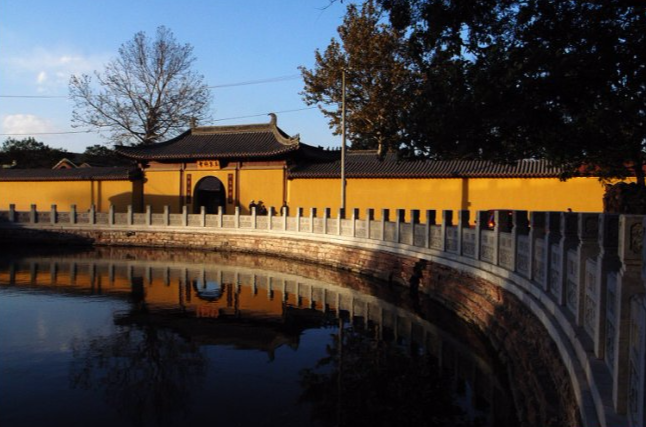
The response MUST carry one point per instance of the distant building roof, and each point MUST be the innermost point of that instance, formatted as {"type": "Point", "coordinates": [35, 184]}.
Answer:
{"type": "Point", "coordinates": [74, 174]}
{"type": "Point", "coordinates": [221, 142]}
{"type": "Point", "coordinates": [366, 164]}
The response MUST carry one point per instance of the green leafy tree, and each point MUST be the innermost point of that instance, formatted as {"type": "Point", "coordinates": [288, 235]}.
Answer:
{"type": "Point", "coordinates": [147, 93]}
{"type": "Point", "coordinates": [101, 155]}
{"type": "Point", "coordinates": [371, 53]}
{"type": "Point", "coordinates": [29, 153]}
{"type": "Point", "coordinates": [507, 79]}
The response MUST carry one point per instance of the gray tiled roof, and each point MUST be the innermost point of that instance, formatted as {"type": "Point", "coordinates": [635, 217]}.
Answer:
{"type": "Point", "coordinates": [75, 174]}
{"type": "Point", "coordinates": [366, 164]}
{"type": "Point", "coordinates": [221, 142]}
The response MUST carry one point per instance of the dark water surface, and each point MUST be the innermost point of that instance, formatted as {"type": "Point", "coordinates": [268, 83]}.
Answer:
{"type": "Point", "coordinates": [132, 337]}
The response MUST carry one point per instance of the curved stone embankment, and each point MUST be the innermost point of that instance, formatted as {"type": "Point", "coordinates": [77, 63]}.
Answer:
{"type": "Point", "coordinates": [544, 391]}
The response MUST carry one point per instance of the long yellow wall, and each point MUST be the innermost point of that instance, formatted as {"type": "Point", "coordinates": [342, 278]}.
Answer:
{"type": "Point", "coordinates": [169, 187]}
{"type": "Point", "coordinates": [542, 194]}
{"type": "Point", "coordinates": [578, 194]}
{"type": "Point", "coordinates": [375, 193]}
{"type": "Point", "coordinates": [65, 193]}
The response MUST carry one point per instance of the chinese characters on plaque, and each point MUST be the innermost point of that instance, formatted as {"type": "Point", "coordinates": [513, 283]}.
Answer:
{"type": "Point", "coordinates": [208, 164]}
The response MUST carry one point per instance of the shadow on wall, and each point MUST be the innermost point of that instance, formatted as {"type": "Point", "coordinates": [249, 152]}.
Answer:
{"type": "Point", "coordinates": [157, 203]}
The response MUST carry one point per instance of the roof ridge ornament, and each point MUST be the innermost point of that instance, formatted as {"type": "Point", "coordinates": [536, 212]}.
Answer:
{"type": "Point", "coordinates": [280, 135]}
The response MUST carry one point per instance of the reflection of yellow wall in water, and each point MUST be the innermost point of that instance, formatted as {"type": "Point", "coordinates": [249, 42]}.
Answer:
{"type": "Point", "coordinates": [159, 292]}
{"type": "Point", "coordinates": [83, 194]}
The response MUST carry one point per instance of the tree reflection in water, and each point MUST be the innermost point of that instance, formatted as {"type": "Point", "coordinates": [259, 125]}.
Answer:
{"type": "Point", "coordinates": [145, 372]}
{"type": "Point", "coordinates": [364, 381]}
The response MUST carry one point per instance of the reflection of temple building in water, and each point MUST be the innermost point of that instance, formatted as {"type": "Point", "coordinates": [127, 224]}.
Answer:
{"type": "Point", "coordinates": [248, 305]}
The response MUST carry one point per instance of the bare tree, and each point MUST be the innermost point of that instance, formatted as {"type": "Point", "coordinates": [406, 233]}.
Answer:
{"type": "Point", "coordinates": [148, 92]}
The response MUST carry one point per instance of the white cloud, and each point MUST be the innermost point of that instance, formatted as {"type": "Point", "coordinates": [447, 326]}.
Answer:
{"type": "Point", "coordinates": [51, 69]}
{"type": "Point", "coordinates": [26, 124]}
{"type": "Point", "coordinates": [42, 77]}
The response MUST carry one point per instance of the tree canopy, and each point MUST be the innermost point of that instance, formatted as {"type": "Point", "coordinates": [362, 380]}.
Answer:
{"type": "Point", "coordinates": [505, 79]}
{"type": "Point", "coordinates": [563, 80]}
{"type": "Point", "coordinates": [371, 53]}
{"type": "Point", "coordinates": [29, 153]}
{"type": "Point", "coordinates": [148, 92]}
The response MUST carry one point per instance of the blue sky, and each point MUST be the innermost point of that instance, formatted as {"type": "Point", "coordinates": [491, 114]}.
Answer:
{"type": "Point", "coordinates": [43, 42]}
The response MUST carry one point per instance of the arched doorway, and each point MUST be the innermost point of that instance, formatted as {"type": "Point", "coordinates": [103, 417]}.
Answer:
{"type": "Point", "coordinates": [210, 193]}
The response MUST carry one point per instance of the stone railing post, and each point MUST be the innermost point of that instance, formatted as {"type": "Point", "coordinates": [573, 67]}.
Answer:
{"type": "Point", "coordinates": [299, 214]}
{"type": "Point", "coordinates": [271, 213]}
{"type": "Point", "coordinates": [284, 212]}
{"type": "Point", "coordinates": [385, 217]}
{"type": "Point", "coordinates": [12, 213]}
{"type": "Point", "coordinates": [166, 215]}
{"type": "Point", "coordinates": [312, 218]}
{"type": "Point", "coordinates": [463, 222]}
{"type": "Point", "coordinates": [149, 215]}
{"type": "Point", "coordinates": [415, 215]}
{"type": "Point", "coordinates": [254, 217]}
{"type": "Point", "coordinates": [482, 219]}
{"type": "Point", "coordinates": [588, 229]}
{"type": "Point", "coordinates": [354, 217]}
{"type": "Point", "coordinates": [340, 217]}
{"type": "Point", "coordinates": [430, 220]}
{"type": "Point", "coordinates": [130, 215]}
{"type": "Point", "coordinates": [326, 216]}
{"type": "Point", "coordinates": [52, 215]}
{"type": "Point", "coordinates": [370, 216]}
{"type": "Point", "coordinates": [568, 242]}
{"type": "Point", "coordinates": [399, 219]}
{"type": "Point", "coordinates": [552, 237]}
{"type": "Point", "coordinates": [220, 216]}
{"type": "Point", "coordinates": [92, 219]}
{"type": "Point", "coordinates": [619, 294]}
{"type": "Point", "coordinates": [32, 214]}
{"type": "Point", "coordinates": [447, 221]}
{"type": "Point", "coordinates": [236, 216]}
{"type": "Point", "coordinates": [506, 249]}
{"type": "Point", "coordinates": [520, 228]}
{"type": "Point", "coordinates": [203, 216]}
{"type": "Point", "coordinates": [73, 214]}
{"type": "Point", "coordinates": [607, 262]}
{"type": "Point", "coordinates": [536, 231]}
{"type": "Point", "coordinates": [184, 216]}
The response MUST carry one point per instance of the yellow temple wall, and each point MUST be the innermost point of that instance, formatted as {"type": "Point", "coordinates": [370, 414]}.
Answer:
{"type": "Point", "coordinates": [162, 188]}
{"type": "Point", "coordinates": [538, 194]}
{"type": "Point", "coordinates": [65, 193]}
{"type": "Point", "coordinates": [261, 184]}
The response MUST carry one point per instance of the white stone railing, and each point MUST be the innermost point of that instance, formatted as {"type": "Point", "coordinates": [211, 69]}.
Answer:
{"type": "Point", "coordinates": [580, 273]}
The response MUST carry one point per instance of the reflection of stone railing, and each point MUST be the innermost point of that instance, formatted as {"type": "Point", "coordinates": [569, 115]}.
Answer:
{"type": "Point", "coordinates": [580, 273]}
{"type": "Point", "coordinates": [107, 276]}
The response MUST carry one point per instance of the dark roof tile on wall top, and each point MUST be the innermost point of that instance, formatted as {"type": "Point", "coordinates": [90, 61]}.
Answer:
{"type": "Point", "coordinates": [366, 164]}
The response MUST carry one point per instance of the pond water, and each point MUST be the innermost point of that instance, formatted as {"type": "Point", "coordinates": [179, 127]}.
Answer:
{"type": "Point", "coordinates": [134, 337]}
